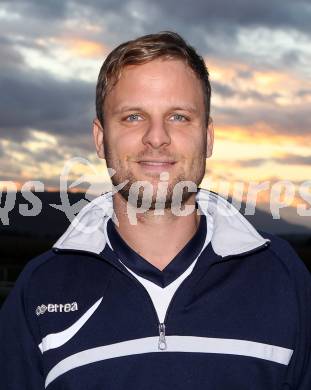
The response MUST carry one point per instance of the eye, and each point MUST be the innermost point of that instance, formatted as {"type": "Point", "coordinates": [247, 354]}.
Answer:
{"type": "Point", "coordinates": [132, 117]}
{"type": "Point", "coordinates": [180, 118]}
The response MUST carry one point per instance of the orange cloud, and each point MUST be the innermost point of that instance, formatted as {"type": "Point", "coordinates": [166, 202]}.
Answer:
{"type": "Point", "coordinates": [258, 133]}
{"type": "Point", "coordinates": [85, 48]}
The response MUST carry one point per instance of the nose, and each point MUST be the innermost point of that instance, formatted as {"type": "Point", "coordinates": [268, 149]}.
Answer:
{"type": "Point", "coordinates": [156, 135]}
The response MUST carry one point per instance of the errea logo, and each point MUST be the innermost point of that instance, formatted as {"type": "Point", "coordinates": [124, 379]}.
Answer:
{"type": "Point", "coordinates": [56, 308]}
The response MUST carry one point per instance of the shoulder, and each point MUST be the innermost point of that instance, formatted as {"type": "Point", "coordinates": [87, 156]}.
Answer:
{"type": "Point", "coordinates": [283, 252]}
{"type": "Point", "coordinates": [33, 265]}
{"type": "Point", "coordinates": [55, 264]}
{"type": "Point", "coordinates": [52, 273]}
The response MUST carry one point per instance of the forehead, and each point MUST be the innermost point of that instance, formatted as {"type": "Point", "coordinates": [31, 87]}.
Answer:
{"type": "Point", "coordinates": [160, 80]}
{"type": "Point", "coordinates": [159, 66]}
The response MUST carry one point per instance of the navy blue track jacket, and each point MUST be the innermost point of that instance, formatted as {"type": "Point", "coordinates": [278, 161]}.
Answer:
{"type": "Point", "coordinates": [231, 311]}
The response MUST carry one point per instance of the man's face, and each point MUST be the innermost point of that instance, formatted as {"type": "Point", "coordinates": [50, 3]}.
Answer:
{"type": "Point", "coordinates": [154, 121]}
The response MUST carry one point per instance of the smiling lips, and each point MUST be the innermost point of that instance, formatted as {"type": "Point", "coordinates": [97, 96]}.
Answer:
{"type": "Point", "coordinates": [154, 165]}
{"type": "Point", "coordinates": [156, 162]}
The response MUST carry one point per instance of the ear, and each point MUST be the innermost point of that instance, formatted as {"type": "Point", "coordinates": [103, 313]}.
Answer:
{"type": "Point", "coordinates": [210, 137]}
{"type": "Point", "coordinates": [98, 133]}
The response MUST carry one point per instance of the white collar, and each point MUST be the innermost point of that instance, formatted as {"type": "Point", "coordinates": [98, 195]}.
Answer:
{"type": "Point", "coordinates": [232, 233]}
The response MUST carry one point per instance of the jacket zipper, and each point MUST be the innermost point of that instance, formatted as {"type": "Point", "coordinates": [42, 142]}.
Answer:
{"type": "Point", "coordinates": [162, 343]}
{"type": "Point", "coordinates": [162, 346]}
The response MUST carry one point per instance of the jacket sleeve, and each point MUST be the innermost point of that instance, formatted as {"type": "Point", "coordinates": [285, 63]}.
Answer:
{"type": "Point", "coordinates": [20, 360]}
{"type": "Point", "coordinates": [298, 375]}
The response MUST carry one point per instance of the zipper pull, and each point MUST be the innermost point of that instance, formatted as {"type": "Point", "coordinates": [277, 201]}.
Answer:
{"type": "Point", "coordinates": [162, 342]}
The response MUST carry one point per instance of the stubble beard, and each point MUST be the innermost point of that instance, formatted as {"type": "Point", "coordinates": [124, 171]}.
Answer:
{"type": "Point", "coordinates": [157, 201]}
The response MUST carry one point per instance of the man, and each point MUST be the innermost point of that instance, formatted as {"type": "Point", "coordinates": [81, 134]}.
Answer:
{"type": "Point", "coordinates": [158, 285]}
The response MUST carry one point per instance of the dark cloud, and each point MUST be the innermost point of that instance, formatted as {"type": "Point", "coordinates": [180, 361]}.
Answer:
{"type": "Point", "coordinates": [51, 155]}
{"type": "Point", "coordinates": [224, 13]}
{"type": "Point", "coordinates": [276, 13]}
{"type": "Point", "coordinates": [212, 27]}
{"type": "Point", "coordinates": [16, 135]}
{"type": "Point", "coordinates": [1, 151]}
{"type": "Point", "coordinates": [304, 92]}
{"type": "Point", "coordinates": [35, 99]}
{"type": "Point", "coordinates": [212, 15]}
{"type": "Point", "coordinates": [223, 90]}
{"type": "Point", "coordinates": [9, 56]}
{"type": "Point", "coordinates": [292, 57]}
{"type": "Point", "coordinates": [294, 159]}
{"type": "Point", "coordinates": [289, 159]}
{"type": "Point", "coordinates": [290, 120]}
{"type": "Point", "coordinates": [226, 91]}
{"type": "Point", "coordinates": [252, 162]}
{"type": "Point", "coordinates": [47, 9]}
{"type": "Point", "coordinates": [80, 145]}
{"type": "Point", "coordinates": [257, 96]}
{"type": "Point", "coordinates": [244, 74]}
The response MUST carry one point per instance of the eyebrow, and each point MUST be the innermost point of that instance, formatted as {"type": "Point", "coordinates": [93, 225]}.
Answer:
{"type": "Point", "coordinates": [185, 107]}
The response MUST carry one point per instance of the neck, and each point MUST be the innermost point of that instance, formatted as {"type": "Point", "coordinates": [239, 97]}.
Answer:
{"type": "Point", "coordinates": [157, 238]}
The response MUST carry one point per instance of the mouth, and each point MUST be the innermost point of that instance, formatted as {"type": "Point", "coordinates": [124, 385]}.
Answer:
{"type": "Point", "coordinates": [156, 165]}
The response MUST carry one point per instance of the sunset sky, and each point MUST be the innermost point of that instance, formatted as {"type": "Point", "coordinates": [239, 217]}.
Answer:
{"type": "Point", "coordinates": [258, 54]}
